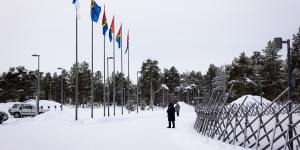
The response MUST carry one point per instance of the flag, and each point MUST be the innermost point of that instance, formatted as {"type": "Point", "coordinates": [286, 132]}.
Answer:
{"type": "Point", "coordinates": [104, 23]}
{"type": "Point", "coordinates": [127, 48]}
{"type": "Point", "coordinates": [112, 29]}
{"type": "Point", "coordinates": [95, 11]}
{"type": "Point", "coordinates": [119, 37]}
{"type": "Point", "coordinates": [76, 3]}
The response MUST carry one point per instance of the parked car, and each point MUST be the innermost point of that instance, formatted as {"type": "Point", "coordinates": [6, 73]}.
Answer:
{"type": "Point", "coordinates": [23, 109]}
{"type": "Point", "coordinates": [3, 116]}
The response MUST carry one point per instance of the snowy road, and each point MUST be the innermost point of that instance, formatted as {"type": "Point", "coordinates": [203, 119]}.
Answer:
{"type": "Point", "coordinates": [56, 130]}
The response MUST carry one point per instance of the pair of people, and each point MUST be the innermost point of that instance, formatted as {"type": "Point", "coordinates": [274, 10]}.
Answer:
{"type": "Point", "coordinates": [171, 114]}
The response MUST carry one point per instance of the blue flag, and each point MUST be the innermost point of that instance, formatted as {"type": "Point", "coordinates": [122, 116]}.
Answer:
{"type": "Point", "coordinates": [95, 11]}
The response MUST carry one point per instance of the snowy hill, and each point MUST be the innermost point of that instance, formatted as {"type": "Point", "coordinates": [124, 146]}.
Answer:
{"type": "Point", "coordinates": [251, 99]}
{"type": "Point", "coordinates": [44, 103]}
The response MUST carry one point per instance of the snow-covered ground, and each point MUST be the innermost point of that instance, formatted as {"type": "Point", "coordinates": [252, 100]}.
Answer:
{"type": "Point", "coordinates": [251, 99]}
{"type": "Point", "coordinates": [57, 130]}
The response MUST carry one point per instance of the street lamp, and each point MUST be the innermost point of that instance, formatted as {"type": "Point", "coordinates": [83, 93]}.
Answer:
{"type": "Point", "coordinates": [278, 45]}
{"type": "Point", "coordinates": [108, 58]}
{"type": "Point", "coordinates": [210, 87]}
{"type": "Point", "coordinates": [38, 91]}
{"type": "Point", "coordinates": [61, 89]}
{"type": "Point", "coordinates": [177, 89]}
{"type": "Point", "coordinates": [163, 97]}
{"type": "Point", "coordinates": [151, 92]}
{"type": "Point", "coordinates": [137, 91]}
{"type": "Point", "coordinates": [198, 99]}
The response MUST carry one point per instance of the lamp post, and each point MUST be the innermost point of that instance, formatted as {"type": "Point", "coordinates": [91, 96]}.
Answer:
{"type": "Point", "coordinates": [178, 90]}
{"type": "Point", "coordinates": [137, 91]}
{"type": "Point", "coordinates": [198, 99]}
{"type": "Point", "coordinates": [261, 95]}
{"type": "Point", "coordinates": [50, 91]}
{"type": "Point", "coordinates": [123, 99]}
{"type": "Point", "coordinates": [278, 45]}
{"type": "Point", "coordinates": [108, 91]}
{"type": "Point", "coordinates": [61, 88]}
{"type": "Point", "coordinates": [151, 92]}
{"type": "Point", "coordinates": [38, 91]}
{"type": "Point", "coordinates": [210, 87]}
{"type": "Point", "coordinates": [278, 42]}
{"type": "Point", "coordinates": [163, 96]}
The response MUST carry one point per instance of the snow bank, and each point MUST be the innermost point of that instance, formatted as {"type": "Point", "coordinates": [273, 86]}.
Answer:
{"type": "Point", "coordinates": [250, 100]}
{"type": "Point", "coordinates": [44, 103]}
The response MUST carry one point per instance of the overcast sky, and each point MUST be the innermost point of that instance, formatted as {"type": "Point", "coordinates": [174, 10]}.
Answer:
{"type": "Point", "coordinates": [187, 34]}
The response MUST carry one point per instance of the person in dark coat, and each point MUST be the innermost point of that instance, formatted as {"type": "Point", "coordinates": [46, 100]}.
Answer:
{"type": "Point", "coordinates": [171, 115]}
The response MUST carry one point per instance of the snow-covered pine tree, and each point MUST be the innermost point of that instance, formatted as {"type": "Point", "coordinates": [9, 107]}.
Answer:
{"type": "Point", "coordinates": [272, 72]}
{"type": "Point", "coordinates": [17, 84]}
{"type": "Point", "coordinates": [219, 79]}
{"type": "Point", "coordinates": [55, 88]}
{"type": "Point", "coordinates": [84, 83]}
{"type": "Point", "coordinates": [208, 78]}
{"type": "Point", "coordinates": [98, 87]}
{"type": "Point", "coordinates": [239, 74]}
{"type": "Point", "coordinates": [171, 78]}
{"type": "Point", "coordinates": [46, 85]}
{"type": "Point", "coordinates": [296, 66]}
{"type": "Point", "coordinates": [149, 72]}
{"type": "Point", "coordinates": [257, 62]}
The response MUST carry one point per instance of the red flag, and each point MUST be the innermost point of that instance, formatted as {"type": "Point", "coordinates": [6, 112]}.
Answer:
{"type": "Point", "coordinates": [112, 26]}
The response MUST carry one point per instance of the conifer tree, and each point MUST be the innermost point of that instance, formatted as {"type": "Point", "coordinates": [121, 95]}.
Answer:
{"type": "Point", "coordinates": [150, 72]}
{"type": "Point", "coordinates": [273, 72]}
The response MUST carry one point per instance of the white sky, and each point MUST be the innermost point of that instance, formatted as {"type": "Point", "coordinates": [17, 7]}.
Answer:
{"type": "Point", "coordinates": [188, 34]}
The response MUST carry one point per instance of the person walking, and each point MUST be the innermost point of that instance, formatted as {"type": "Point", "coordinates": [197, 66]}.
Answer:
{"type": "Point", "coordinates": [171, 115]}
{"type": "Point", "coordinates": [177, 108]}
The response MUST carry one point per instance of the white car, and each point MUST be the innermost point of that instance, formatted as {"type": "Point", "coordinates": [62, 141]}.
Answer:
{"type": "Point", "coordinates": [23, 109]}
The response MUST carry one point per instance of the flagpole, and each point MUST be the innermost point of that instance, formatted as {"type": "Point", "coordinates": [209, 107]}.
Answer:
{"type": "Point", "coordinates": [108, 90]}
{"type": "Point", "coordinates": [76, 70]}
{"type": "Point", "coordinates": [104, 91]}
{"type": "Point", "coordinates": [128, 72]}
{"type": "Point", "coordinates": [114, 80]}
{"type": "Point", "coordinates": [92, 75]}
{"type": "Point", "coordinates": [122, 80]}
